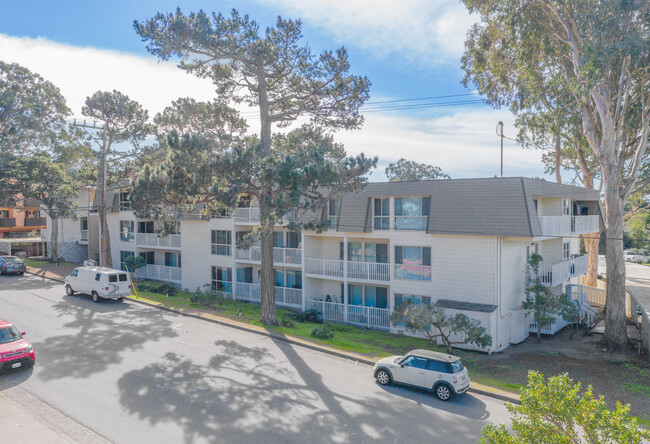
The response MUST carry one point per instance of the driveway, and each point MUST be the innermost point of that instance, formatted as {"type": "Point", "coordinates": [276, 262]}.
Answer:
{"type": "Point", "coordinates": [139, 374]}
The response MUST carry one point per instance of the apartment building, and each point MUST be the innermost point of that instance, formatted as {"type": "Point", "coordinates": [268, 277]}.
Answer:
{"type": "Point", "coordinates": [461, 244]}
{"type": "Point", "coordinates": [18, 227]}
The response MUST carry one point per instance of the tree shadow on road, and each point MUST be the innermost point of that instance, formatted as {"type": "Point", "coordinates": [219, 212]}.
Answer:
{"type": "Point", "coordinates": [245, 394]}
{"type": "Point", "coordinates": [22, 283]}
{"type": "Point", "coordinates": [101, 333]}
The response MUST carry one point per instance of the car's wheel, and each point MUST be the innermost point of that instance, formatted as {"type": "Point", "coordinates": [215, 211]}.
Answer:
{"type": "Point", "coordinates": [21, 273]}
{"type": "Point", "coordinates": [443, 392]}
{"type": "Point", "coordinates": [95, 296]}
{"type": "Point", "coordinates": [383, 377]}
{"type": "Point", "coordinates": [69, 291]}
{"type": "Point", "coordinates": [120, 299]}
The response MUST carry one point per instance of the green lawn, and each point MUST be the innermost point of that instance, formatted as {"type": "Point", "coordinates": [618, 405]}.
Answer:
{"type": "Point", "coordinates": [45, 263]}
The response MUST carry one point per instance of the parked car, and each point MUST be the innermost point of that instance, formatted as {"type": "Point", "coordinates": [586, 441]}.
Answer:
{"type": "Point", "coordinates": [98, 282]}
{"type": "Point", "coordinates": [443, 374]}
{"type": "Point", "coordinates": [15, 351]}
{"type": "Point", "coordinates": [634, 256]}
{"type": "Point", "coordinates": [12, 264]}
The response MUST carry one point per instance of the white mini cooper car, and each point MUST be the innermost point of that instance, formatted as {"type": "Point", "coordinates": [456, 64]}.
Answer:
{"type": "Point", "coordinates": [442, 373]}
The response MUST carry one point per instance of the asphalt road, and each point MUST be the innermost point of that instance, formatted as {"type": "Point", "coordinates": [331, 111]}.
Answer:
{"type": "Point", "coordinates": [138, 374]}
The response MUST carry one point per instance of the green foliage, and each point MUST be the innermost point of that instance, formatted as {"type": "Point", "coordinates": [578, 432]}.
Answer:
{"type": "Point", "coordinates": [543, 303]}
{"type": "Point", "coordinates": [286, 321]}
{"type": "Point", "coordinates": [638, 233]}
{"type": "Point", "coordinates": [407, 170]}
{"type": "Point", "coordinates": [209, 297]}
{"type": "Point", "coordinates": [558, 411]}
{"type": "Point", "coordinates": [436, 325]}
{"type": "Point", "coordinates": [32, 111]}
{"type": "Point", "coordinates": [341, 328]}
{"type": "Point", "coordinates": [147, 287]}
{"type": "Point", "coordinates": [134, 262]}
{"type": "Point", "coordinates": [310, 315]}
{"type": "Point", "coordinates": [160, 288]}
{"type": "Point", "coordinates": [322, 332]}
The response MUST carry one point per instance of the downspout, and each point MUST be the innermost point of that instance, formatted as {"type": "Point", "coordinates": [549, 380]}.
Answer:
{"type": "Point", "coordinates": [497, 285]}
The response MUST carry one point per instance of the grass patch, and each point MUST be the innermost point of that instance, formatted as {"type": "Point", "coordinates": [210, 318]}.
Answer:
{"type": "Point", "coordinates": [550, 353]}
{"type": "Point", "coordinates": [637, 388]}
{"type": "Point", "coordinates": [511, 387]}
{"type": "Point", "coordinates": [39, 263]}
{"type": "Point", "coordinates": [636, 369]}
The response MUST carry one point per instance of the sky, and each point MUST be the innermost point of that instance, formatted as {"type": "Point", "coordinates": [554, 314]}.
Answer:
{"type": "Point", "coordinates": [409, 50]}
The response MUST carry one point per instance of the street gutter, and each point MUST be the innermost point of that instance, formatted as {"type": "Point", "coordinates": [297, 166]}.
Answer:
{"type": "Point", "coordinates": [359, 359]}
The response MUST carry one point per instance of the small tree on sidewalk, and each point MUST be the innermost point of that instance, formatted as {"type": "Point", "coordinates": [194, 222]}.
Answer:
{"type": "Point", "coordinates": [542, 302]}
{"type": "Point", "coordinates": [436, 325]}
{"type": "Point", "coordinates": [133, 263]}
{"type": "Point", "coordinates": [557, 411]}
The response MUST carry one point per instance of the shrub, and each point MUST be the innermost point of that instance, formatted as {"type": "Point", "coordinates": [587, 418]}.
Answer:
{"type": "Point", "coordinates": [168, 289]}
{"type": "Point", "coordinates": [306, 316]}
{"type": "Point", "coordinates": [286, 321]}
{"type": "Point", "coordinates": [208, 298]}
{"type": "Point", "coordinates": [148, 287]}
{"type": "Point", "coordinates": [322, 332]}
{"type": "Point", "coordinates": [337, 327]}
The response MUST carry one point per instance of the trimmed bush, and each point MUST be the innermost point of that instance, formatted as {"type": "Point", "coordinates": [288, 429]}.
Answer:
{"type": "Point", "coordinates": [306, 316]}
{"type": "Point", "coordinates": [207, 298]}
{"type": "Point", "coordinates": [167, 289]}
{"type": "Point", "coordinates": [337, 327]}
{"type": "Point", "coordinates": [322, 332]}
{"type": "Point", "coordinates": [285, 321]}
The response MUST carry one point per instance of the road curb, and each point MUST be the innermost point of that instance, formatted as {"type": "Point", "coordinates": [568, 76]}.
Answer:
{"type": "Point", "coordinates": [358, 359]}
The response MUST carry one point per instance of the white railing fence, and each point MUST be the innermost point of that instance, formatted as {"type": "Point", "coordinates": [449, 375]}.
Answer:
{"type": "Point", "coordinates": [289, 297]}
{"type": "Point", "coordinates": [281, 256]}
{"type": "Point", "coordinates": [355, 314]}
{"type": "Point", "coordinates": [324, 267]}
{"type": "Point", "coordinates": [372, 271]}
{"type": "Point", "coordinates": [154, 240]}
{"type": "Point", "coordinates": [160, 273]}
{"type": "Point", "coordinates": [565, 225]}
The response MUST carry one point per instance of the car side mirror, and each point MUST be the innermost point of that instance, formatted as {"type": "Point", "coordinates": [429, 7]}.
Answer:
{"type": "Point", "coordinates": [401, 365]}
{"type": "Point", "coordinates": [23, 333]}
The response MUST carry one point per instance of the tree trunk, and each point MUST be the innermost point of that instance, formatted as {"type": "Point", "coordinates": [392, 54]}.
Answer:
{"type": "Point", "coordinates": [267, 296]}
{"type": "Point", "coordinates": [591, 245]}
{"type": "Point", "coordinates": [54, 237]}
{"type": "Point", "coordinates": [105, 241]}
{"type": "Point", "coordinates": [615, 322]}
{"type": "Point", "coordinates": [558, 158]}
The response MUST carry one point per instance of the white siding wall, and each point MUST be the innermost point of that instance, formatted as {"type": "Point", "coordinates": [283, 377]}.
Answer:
{"type": "Point", "coordinates": [113, 220]}
{"type": "Point", "coordinates": [197, 259]}
{"type": "Point", "coordinates": [549, 206]}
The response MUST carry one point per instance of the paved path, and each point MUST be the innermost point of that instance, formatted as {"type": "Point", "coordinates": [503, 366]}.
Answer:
{"type": "Point", "coordinates": [637, 280]}
{"type": "Point", "coordinates": [137, 374]}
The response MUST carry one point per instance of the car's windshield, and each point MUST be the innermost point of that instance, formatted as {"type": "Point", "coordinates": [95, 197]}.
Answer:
{"type": "Point", "coordinates": [398, 359]}
{"type": "Point", "coordinates": [9, 334]}
{"type": "Point", "coordinates": [12, 259]}
{"type": "Point", "coordinates": [456, 367]}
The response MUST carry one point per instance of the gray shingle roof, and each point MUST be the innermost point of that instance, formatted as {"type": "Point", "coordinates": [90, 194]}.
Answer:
{"type": "Point", "coordinates": [492, 206]}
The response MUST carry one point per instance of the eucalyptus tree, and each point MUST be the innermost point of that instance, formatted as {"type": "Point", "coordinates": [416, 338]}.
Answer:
{"type": "Point", "coordinates": [120, 136]}
{"type": "Point", "coordinates": [283, 80]}
{"type": "Point", "coordinates": [408, 170]}
{"type": "Point", "coordinates": [600, 55]}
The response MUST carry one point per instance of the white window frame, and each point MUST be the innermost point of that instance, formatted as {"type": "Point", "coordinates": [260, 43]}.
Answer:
{"type": "Point", "coordinates": [127, 235]}
{"type": "Point", "coordinates": [220, 248]}
{"type": "Point", "coordinates": [125, 202]}
{"type": "Point", "coordinates": [215, 281]}
{"type": "Point", "coordinates": [333, 212]}
{"type": "Point", "coordinates": [381, 221]}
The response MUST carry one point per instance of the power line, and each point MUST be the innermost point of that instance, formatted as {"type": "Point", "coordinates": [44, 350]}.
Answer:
{"type": "Point", "coordinates": [422, 98]}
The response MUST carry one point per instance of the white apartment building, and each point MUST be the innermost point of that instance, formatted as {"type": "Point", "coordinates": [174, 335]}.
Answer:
{"type": "Point", "coordinates": [462, 244]}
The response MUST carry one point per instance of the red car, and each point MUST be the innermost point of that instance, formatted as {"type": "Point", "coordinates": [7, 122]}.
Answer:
{"type": "Point", "coordinates": [15, 351]}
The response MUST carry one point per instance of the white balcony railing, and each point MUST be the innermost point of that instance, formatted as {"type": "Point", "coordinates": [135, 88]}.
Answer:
{"type": "Point", "coordinates": [252, 215]}
{"type": "Point", "coordinates": [556, 274]}
{"type": "Point", "coordinates": [160, 273]}
{"type": "Point", "coordinates": [153, 240]}
{"type": "Point", "coordinates": [352, 314]}
{"type": "Point", "coordinates": [367, 271]}
{"type": "Point", "coordinates": [281, 256]}
{"type": "Point", "coordinates": [568, 225]}
{"type": "Point", "coordinates": [289, 297]}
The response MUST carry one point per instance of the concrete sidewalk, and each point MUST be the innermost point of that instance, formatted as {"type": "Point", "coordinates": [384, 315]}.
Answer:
{"type": "Point", "coordinates": [26, 419]}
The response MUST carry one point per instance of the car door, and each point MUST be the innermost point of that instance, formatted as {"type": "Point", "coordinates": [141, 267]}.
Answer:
{"type": "Point", "coordinates": [412, 371]}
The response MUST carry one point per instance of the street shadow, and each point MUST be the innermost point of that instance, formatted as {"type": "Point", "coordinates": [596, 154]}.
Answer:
{"type": "Point", "coordinates": [26, 282]}
{"type": "Point", "coordinates": [99, 335]}
{"type": "Point", "coordinates": [246, 394]}
{"type": "Point", "coordinates": [15, 377]}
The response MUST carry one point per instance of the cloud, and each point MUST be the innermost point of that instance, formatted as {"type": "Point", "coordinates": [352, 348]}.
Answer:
{"type": "Point", "coordinates": [463, 143]}
{"type": "Point", "coordinates": [424, 32]}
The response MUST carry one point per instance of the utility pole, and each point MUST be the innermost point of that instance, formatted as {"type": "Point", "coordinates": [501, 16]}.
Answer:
{"type": "Point", "coordinates": [500, 133]}
{"type": "Point", "coordinates": [101, 171]}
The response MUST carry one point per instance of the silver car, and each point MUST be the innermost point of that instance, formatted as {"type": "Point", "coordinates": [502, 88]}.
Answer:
{"type": "Point", "coordinates": [443, 374]}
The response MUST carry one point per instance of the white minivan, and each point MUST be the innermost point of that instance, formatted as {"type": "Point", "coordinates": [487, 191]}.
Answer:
{"type": "Point", "coordinates": [98, 282]}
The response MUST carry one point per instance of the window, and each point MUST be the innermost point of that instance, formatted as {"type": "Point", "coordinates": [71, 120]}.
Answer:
{"type": "Point", "coordinates": [413, 263]}
{"type": "Point", "coordinates": [278, 239]}
{"type": "Point", "coordinates": [333, 213]}
{"type": "Point", "coordinates": [377, 253]}
{"type": "Point", "coordinates": [145, 227]}
{"type": "Point", "coordinates": [148, 257]}
{"type": "Point", "coordinates": [34, 213]}
{"type": "Point", "coordinates": [411, 213]}
{"type": "Point", "coordinates": [245, 275]}
{"type": "Point", "coordinates": [293, 279]}
{"type": "Point", "coordinates": [566, 207]}
{"type": "Point", "coordinates": [293, 239]}
{"type": "Point", "coordinates": [98, 277]}
{"type": "Point", "coordinates": [222, 279]}
{"type": "Point", "coordinates": [244, 202]}
{"type": "Point", "coordinates": [126, 230]}
{"type": "Point", "coordinates": [84, 223]}
{"type": "Point", "coordinates": [220, 214]}
{"type": "Point", "coordinates": [122, 277]}
{"type": "Point", "coordinates": [4, 213]}
{"type": "Point", "coordinates": [415, 361]}
{"type": "Point", "coordinates": [123, 256]}
{"type": "Point", "coordinates": [74, 273]}
{"type": "Point", "coordinates": [221, 242]}
{"type": "Point", "coordinates": [279, 278]}
{"type": "Point", "coordinates": [411, 299]}
{"type": "Point", "coordinates": [125, 202]}
{"type": "Point", "coordinates": [172, 259]}
{"type": "Point", "coordinates": [566, 248]}
{"type": "Point", "coordinates": [438, 366]}
{"type": "Point", "coordinates": [112, 278]}
{"type": "Point", "coordinates": [381, 217]}
{"type": "Point", "coordinates": [368, 296]}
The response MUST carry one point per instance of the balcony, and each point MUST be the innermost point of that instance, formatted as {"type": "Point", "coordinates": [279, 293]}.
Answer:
{"type": "Point", "coordinates": [153, 240]}
{"type": "Point", "coordinates": [362, 271]}
{"type": "Point", "coordinates": [281, 256]}
{"type": "Point", "coordinates": [161, 273]}
{"type": "Point", "coordinates": [35, 222]}
{"type": "Point", "coordinates": [288, 297]}
{"type": "Point", "coordinates": [370, 317]}
{"type": "Point", "coordinates": [569, 225]}
{"type": "Point", "coordinates": [7, 222]}
{"type": "Point", "coordinates": [252, 216]}
{"type": "Point", "coordinates": [556, 274]}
